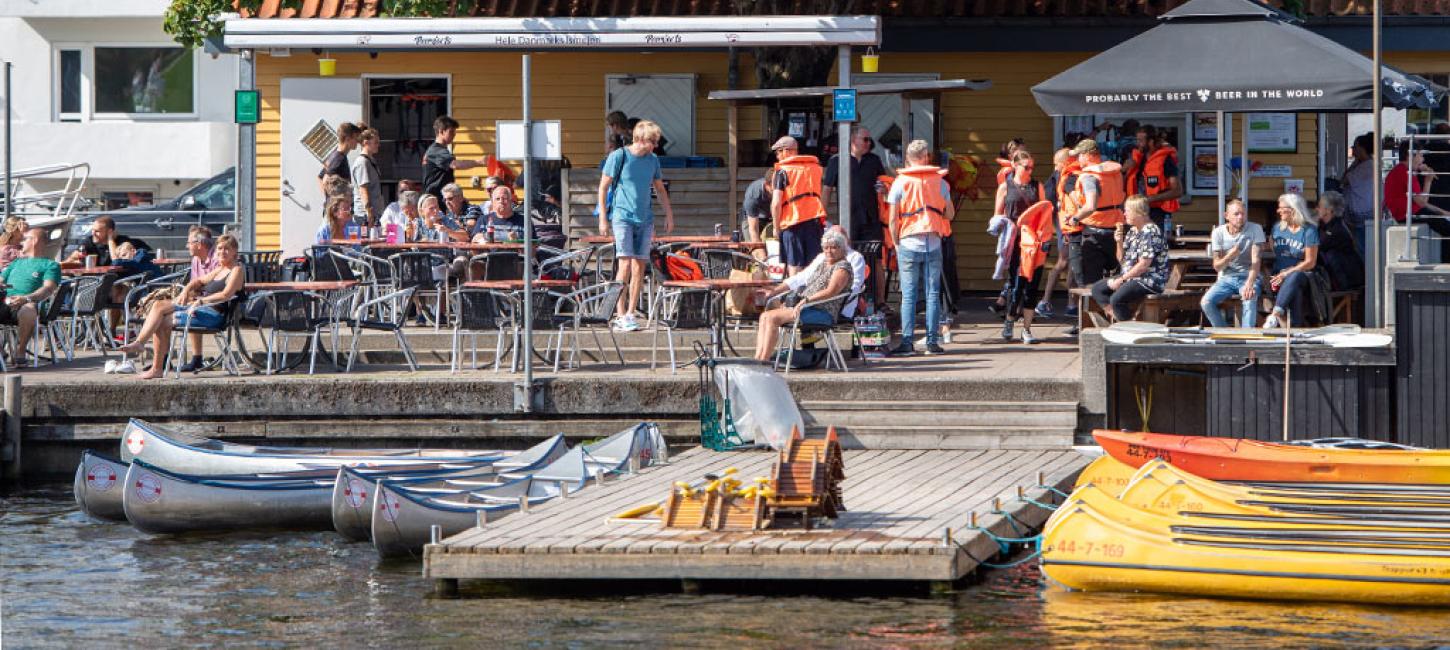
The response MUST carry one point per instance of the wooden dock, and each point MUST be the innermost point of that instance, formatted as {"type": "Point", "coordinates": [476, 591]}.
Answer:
{"type": "Point", "coordinates": [900, 505]}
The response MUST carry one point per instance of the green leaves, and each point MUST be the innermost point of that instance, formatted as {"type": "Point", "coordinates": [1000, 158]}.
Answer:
{"type": "Point", "coordinates": [190, 22]}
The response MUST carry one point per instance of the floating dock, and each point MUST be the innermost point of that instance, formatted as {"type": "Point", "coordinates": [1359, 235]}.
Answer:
{"type": "Point", "coordinates": [909, 517]}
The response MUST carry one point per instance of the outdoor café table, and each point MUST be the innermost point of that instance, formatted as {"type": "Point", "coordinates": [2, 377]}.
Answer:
{"type": "Point", "coordinates": [366, 241]}
{"type": "Point", "coordinates": [448, 246]}
{"type": "Point", "coordinates": [314, 287]}
{"type": "Point", "coordinates": [595, 240]}
{"type": "Point", "coordinates": [171, 261]}
{"type": "Point", "coordinates": [718, 288]}
{"type": "Point", "coordinates": [518, 285]}
{"type": "Point", "coordinates": [94, 270]}
{"type": "Point", "coordinates": [742, 246]}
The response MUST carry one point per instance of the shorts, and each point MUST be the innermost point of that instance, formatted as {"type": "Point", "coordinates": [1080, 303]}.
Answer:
{"type": "Point", "coordinates": [8, 315]}
{"type": "Point", "coordinates": [632, 239]}
{"type": "Point", "coordinates": [817, 317]}
{"type": "Point", "coordinates": [801, 243]}
{"type": "Point", "coordinates": [205, 318]}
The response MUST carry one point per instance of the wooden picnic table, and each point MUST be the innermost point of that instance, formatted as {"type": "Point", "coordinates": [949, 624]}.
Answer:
{"type": "Point", "coordinates": [334, 285]}
{"type": "Point", "coordinates": [94, 270]}
{"type": "Point", "coordinates": [518, 285]}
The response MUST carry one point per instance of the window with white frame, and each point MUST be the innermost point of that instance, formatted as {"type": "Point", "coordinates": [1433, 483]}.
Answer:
{"type": "Point", "coordinates": [124, 80]}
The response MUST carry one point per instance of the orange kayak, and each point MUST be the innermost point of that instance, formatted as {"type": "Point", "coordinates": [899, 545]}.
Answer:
{"type": "Point", "coordinates": [1229, 459]}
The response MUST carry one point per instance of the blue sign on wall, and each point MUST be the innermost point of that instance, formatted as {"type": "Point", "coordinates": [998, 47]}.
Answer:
{"type": "Point", "coordinates": [845, 104]}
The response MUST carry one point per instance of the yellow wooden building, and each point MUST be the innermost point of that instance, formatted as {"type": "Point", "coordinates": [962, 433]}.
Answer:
{"type": "Point", "coordinates": [575, 88]}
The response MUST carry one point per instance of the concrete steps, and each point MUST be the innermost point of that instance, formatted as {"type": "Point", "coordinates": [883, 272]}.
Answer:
{"type": "Point", "coordinates": [917, 424]}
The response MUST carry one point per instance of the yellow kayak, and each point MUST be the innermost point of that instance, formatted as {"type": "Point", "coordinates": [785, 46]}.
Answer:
{"type": "Point", "coordinates": [1164, 488]}
{"type": "Point", "coordinates": [1108, 473]}
{"type": "Point", "coordinates": [1088, 549]}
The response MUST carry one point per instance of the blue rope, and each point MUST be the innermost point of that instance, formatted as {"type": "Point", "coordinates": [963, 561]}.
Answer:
{"type": "Point", "coordinates": [1056, 491]}
{"type": "Point", "coordinates": [1044, 506]}
{"type": "Point", "coordinates": [1028, 558]}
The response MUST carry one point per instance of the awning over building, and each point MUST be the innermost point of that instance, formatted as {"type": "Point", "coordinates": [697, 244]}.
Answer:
{"type": "Point", "coordinates": [536, 34]}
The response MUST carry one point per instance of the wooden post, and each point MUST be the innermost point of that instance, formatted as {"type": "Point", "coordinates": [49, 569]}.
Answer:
{"type": "Point", "coordinates": [732, 150]}
{"type": "Point", "coordinates": [10, 431]}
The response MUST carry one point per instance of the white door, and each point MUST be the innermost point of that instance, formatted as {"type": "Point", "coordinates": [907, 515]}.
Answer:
{"type": "Point", "coordinates": [665, 99]}
{"type": "Point", "coordinates": [882, 113]}
{"type": "Point", "coordinates": [311, 110]}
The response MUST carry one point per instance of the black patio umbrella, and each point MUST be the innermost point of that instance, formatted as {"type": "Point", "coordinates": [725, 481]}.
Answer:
{"type": "Point", "coordinates": [1227, 55]}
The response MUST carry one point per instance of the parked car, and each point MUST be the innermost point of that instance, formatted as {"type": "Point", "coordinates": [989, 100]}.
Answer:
{"type": "Point", "coordinates": [165, 225]}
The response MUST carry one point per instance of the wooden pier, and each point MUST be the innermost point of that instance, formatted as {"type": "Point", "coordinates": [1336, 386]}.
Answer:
{"type": "Point", "coordinates": [908, 518]}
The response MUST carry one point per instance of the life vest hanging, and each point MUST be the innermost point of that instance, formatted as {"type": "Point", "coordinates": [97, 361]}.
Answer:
{"type": "Point", "coordinates": [802, 191]}
{"type": "Point", "coordinates": [922, 209]}
{"type": "Point", "coordinates": [1108, 212]}
{"type": "Point", "coordinates": [1066, 206]}
{"type": "Point", "coordinates": [1155, 180]}
{"type": "Point", "coordinates": [883, 209]}
{"type": "Point", "coordinates": [1034, 232]}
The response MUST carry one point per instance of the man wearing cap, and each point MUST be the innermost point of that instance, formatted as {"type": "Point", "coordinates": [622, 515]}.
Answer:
{"type": "Point", "coordinates": [1099, 195]}
{"type": "Point", "coordinates": [796, 206]}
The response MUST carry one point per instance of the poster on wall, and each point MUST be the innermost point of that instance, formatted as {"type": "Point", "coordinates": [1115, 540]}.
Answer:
{"type": "Point", "coordinates": [1205, 168]}
{"type": "Point", "coordinates": [1273, 133]}
{"type": "Point", "coordinates": [1205, 126]}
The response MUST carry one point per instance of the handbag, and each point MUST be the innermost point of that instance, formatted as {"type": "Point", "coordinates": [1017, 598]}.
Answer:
{"type": "Point", "coordinates": [740, 301]}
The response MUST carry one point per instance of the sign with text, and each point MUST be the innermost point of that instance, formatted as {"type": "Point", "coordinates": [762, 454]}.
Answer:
{"type": "Point", "coordinates": [844, 102]}
{"type": "Point", "coordinates": [548, 140]}
{"type": "Point", "coordinates": [248, 107]}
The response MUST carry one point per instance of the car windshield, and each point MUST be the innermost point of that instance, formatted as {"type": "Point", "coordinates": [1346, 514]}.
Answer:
{"type": "Point", "coordinates": [216, 194]}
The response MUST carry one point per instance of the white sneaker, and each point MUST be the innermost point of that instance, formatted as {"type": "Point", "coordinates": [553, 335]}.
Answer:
{"type": "Point", "coordinates": [1271, 322]}
{"type": "Point", "coordinates": [626, 324]}
{"type": "Point", "coordinates": [125, 367]}
{"type": "Point", "coordinates": [1028, 338]}
{"type": "Point", "coordinates": [110, 367]}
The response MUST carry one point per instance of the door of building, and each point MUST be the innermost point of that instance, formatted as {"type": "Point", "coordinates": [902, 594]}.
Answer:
{"type": "Point", "coordinates": [311, 110]}
{"type": "Point", "coordinates": [665, 99]}
{"type": "Point", "coordinates": [882, 114]}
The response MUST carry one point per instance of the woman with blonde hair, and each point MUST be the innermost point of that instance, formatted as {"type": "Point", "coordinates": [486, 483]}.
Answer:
{"type": "Point", "coordinates": [1296, 250]}
{"type": "Point", "coordinates": [1143, 255]}
{"type": "Point", "coordinates": [199, 304]}
{"type": "Point", "coordinates": [10, 235]}
{"type": "Point", "coordinates": [335, 219]}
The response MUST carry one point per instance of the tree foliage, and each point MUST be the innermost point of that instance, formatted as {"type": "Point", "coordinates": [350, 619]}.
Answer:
{"type": "Point", "coordinates": [190, 22]}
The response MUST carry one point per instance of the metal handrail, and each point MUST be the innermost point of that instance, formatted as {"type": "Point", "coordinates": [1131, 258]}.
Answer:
{"type": "Point", "coordinates": [1410, 194]}
{"type": "Point", "coordinates": [76, 176]}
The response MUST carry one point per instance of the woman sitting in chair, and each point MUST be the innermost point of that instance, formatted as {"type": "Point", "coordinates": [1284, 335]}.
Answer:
{"type": "Point", "coordinates": [828, 283]}
{"type": "Point", "coordinates": [197, 305]}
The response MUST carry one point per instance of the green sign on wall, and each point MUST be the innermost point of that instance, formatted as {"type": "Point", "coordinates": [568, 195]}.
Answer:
{"type": "Point", "coordinates": [248, 109]}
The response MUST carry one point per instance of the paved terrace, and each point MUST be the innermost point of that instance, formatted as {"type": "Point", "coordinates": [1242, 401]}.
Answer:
{"type": "Point", "coordinates": [985, 393]}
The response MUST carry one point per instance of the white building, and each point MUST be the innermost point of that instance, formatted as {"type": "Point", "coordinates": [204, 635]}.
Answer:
{"type": "Point", "coordinates": [98, 81]}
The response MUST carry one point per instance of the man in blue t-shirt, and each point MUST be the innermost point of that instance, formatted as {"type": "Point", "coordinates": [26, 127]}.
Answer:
{"type": "Point", "coordinates": [624, 196]}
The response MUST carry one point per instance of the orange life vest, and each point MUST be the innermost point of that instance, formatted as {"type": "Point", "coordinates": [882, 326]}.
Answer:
{"type": "Point", "coordinates": [922, 209]}
{"type": "Point", "coordinates": [802, 191]}
{"type": "Point", "coordinates": [1155, 181]}
{"type": "Point", "coordinates": [1131, 187]}
{"type": "Point", "coordinates": [1005, 171]}
{"type": "Point", "coordinates": [1034, 233]}
{"type": "Point", "coordinates": [1108, 212]}
{"type": "Point", "coordinates": [883, 209]}
{"type": "Point", "coordinates": [1066, 207]}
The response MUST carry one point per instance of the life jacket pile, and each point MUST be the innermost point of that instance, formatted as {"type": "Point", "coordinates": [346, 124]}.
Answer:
{"type": "Point", "coordinates": [923, 209]}
{"type": "Point", "coordinates": [1034, 233]}
{"type": "Point", "coordinates": [802, 191]}
{"type": "Point", "coordinates": [1109, 210]}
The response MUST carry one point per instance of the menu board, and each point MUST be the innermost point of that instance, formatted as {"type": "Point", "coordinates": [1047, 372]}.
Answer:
{"type": "Point", "coordinates": [1273, 132]}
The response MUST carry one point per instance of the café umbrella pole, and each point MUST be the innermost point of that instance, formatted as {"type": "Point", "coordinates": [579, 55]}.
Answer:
{"type": "Point", "coordinates": [526, 403]}
{"type": "Point", "coordinates": [1376, 312]}
{"type": "Point", "coordinates": [9, 184]}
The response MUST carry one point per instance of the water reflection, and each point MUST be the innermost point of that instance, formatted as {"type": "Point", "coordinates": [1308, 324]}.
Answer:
{"type": "Point", "coordinates": [66, 581]}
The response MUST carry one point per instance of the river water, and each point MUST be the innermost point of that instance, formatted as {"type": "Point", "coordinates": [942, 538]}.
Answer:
{"type": "Point", "coordinates": [67, 581]}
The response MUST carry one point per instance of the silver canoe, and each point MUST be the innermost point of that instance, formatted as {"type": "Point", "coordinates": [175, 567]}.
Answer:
{"type": "Point", "coordinates": [158, 501]}
{"type": "Point", "coordinates": [352, 492]}
{"type": "Point", "coordinates": [403, 518]}
{"type": "Point", "coordinates": [194, 456]}
{"type": "Point", "coordinates": [403, 515]}
{"type": "Point", "coordinates": [99, 482]}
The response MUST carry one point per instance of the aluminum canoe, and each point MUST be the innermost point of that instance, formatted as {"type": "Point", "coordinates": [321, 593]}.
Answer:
{"type": "Point", "coordinates": [193, 456]}
{"type": "Point", "coordinates": [403, 519]}
{"type": "Point", "coordinates": [159, 501]}
{"type": "Point", "coordinates": [99, 482]}
{"type": "Point", "coordinates": [352, 507]}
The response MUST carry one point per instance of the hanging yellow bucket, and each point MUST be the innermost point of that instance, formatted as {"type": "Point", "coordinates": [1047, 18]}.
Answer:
{"type": "Point", "coordinates": [870, 61]}
{"type": "Point", "coordinates": [326, 67]}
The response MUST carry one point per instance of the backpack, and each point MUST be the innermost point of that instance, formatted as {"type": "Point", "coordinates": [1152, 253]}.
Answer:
{"type": "Point", "coordinates": [613, 185]}
{"type": "Point", "coordinates": [679, 266]}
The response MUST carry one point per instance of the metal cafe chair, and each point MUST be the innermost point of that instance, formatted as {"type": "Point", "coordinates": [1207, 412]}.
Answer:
{"type": "Point", "coordinates": [591, 308]}
{"type": "Point", "coordinates": [790, 337]}
{"type": "Point", "coordinates": [679, 309]}
{"type": "Point", "coordinates": [293, 314]}
{"type": "Point", "coordinates": [225, 337]}
{"type": "Point", "coordinates": [415, 270]}
{"type": "Point", "coordinates": [482, 310]}
{"type": "Point", "coordinates": [359, 321]}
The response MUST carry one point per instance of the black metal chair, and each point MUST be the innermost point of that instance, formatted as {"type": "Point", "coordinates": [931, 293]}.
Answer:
{"type": "Point", "coordinates": [327, 267]}
{"type": "Point", "coordinates": [90, 299]}
{"type": "Point", "coordinates": [362, 318]}
{"type": "Point", "coordinates": [261, 266]}
{"type": "Point", "coordinates": [416, 270]}
{"type": "Point", "coordinates": [482, 310]}
{"type": "Point", "coordinates": [49, 314]}
{"type": "Point", "coordinates": [591, 308]}
{"type": "Point", "coordinates": [499, 265]}
{"type": "Point", "coordinates": [679, 309]}
{"type": "Point", "coordinates": [543, 303]}
{"type": "Point", "coordinates": [292, 314]}
{"type": "Point", "coordinates": [225, 336]}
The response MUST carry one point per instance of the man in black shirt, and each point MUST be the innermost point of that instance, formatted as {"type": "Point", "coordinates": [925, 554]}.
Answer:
{"type": "Point", "coordinates": [336, 162]}
{"type": "Point", "coordinates": [756, 207]}
{"type": "Point", "coordinates": [104, 241]}
{"type": "Point", "coordinates": [439, 162]}
{"type": "Point", "coordinates": [866, 167]}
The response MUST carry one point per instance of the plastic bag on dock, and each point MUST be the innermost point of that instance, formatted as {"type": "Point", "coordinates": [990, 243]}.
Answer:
{"type": "Point", "coordinates": [760, 403]}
